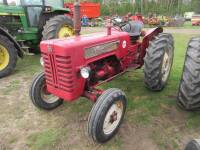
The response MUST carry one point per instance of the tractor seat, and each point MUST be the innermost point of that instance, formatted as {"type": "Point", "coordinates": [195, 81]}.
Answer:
{"type": "Point", "coordinates": [134, 29]}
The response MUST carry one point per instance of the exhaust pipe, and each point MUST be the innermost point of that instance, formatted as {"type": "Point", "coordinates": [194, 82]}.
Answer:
{"type": "Point", "coordinates": [77, 18]}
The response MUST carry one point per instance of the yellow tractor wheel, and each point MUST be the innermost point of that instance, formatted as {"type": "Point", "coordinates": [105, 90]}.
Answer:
{"type": "Point", "coordinates": [4, 57]}
{"type": "Point", "coordinates": [8, 56]}
{"type": "Point", "coordinates": [65, 32]}
{"type": "Point", "coordinates": [57, 27]}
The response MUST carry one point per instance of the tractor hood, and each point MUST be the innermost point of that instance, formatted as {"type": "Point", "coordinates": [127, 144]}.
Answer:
{"type": "Point", "coordinates": [11, 10]}
{"type": "Point", "coordinates": [79, 45]}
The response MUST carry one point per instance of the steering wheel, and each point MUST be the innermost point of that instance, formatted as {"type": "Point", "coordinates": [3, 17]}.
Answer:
{"type": "Point", "coordinates": [118, 24]}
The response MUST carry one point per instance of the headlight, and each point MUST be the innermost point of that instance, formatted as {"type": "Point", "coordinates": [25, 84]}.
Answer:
{"type": "Point", "coordinates": [85, 72]}
{"type": "Point", "coordinates": [42, 62]}
{"type": "Point", "coordinates": [48, 9]}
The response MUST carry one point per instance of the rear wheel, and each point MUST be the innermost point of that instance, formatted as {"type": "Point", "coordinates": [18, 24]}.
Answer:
{"type": "Point", "coordinates": [189, 89]}
{"type": "Point", "coordinates": [158, 61]}
{"type": "Point", "coordinates": [57, 27]}
{"type": "Point", "coordinates": [40, 96]}
{"type": "Point", "coordinates": [8, 56]}
{"type": "Point", "coordinates": [106, 115]}
{"type": "Point", "coordinates": [193, 145]}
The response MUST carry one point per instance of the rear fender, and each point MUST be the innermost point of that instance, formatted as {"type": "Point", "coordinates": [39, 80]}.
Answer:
{"type": "Point", "coordinates": [10, 37]}
{"type": "Point", "coordinates": [145, 43]}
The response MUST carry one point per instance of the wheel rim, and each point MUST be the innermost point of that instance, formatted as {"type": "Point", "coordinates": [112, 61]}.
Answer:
{"type": "Point", "coordinates": [4, 57]}
{"type": "Point", "coordinates": [166, 65]}
{"type": "Point", "coordinates": [46, 96]}
{"type": "Point", "coordinates": [113, 117]}
{"type": "Point", "coordinates": [65, 31]}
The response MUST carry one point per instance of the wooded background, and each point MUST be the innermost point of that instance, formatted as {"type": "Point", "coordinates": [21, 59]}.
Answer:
{"type": "Point", "coordinates": [162, 7]}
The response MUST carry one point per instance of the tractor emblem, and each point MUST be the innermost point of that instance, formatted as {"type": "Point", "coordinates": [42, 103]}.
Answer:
{"type": "Point", "coordinates": [49, 48]}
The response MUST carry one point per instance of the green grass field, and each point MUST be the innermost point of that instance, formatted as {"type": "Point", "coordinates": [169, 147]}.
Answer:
{"type": "Point", "coordinates": [188, 25]}
{"type": "Point", "coordinates": [150, 115]}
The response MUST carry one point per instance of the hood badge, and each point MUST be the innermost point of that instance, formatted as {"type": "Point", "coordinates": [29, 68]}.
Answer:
{"type": "Point", "coordinates": [49, 48]}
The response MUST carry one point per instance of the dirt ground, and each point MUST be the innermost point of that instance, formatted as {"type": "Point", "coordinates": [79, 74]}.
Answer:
{"type": "Point", "coordinates": [23, 126]}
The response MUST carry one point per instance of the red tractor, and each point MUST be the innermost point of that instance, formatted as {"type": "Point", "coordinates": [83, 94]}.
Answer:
{"type": "Point", "coordinates": [74, 67]}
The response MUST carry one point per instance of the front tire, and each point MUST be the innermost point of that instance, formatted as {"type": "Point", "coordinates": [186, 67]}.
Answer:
{"type": "Point", "coordinates": [58, 27]}
{"type": "Point", "coordinates": [8, 56]}
{"type": "Point", "coordinates": [106, 115]}
{"type": "Point", "coordinates": [189, 89]}
{"type": "Point", "coordinates": [40, 96]}
{"type": "Point", "coordinates": [158, 61]}
{"type": "Point", "coordinates": [193, 145]}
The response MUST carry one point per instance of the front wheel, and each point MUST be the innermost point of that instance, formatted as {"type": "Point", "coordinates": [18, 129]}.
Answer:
{"type": "Point", "coordinates": [158, 61]}
{"type": "Point", "coordinates": [39, 95]}
{"type": "Point", "coordinates": [107, 115]}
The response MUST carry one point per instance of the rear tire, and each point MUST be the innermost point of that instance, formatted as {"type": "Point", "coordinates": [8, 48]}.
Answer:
{"type": "Point", "coordinates": [38, 94]}
{"type": "Point", "coordinates": [8, 56]}
{"type": "Point", "coordinates": [193, 145]}
{"type": "Point", "coordinates": [189, 89]}
{"type": "Point", "coordinates": [158, 61]}
{"type": "Point", "coordinates": [56, 25]}
{"type": "Point", "coordinates": [107, 115]}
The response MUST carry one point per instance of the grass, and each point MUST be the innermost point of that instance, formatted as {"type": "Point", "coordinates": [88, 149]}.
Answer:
{"type": "Point", "coordinates": [45, 138]}
{"type": "Point", "coordinates": [156, 111]}
{"type": "Point", "coordinates": [28, 65]}
{"type": "Point", "coordinates": [188, 25]}
{"type": "Point", "coordinates": [14, 85]}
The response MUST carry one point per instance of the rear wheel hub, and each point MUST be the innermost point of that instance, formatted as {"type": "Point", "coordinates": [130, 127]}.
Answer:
{"type": "Point", "coordinates": [166, 65]}
{"type": "Point", "coordinates": [65, 31]}
{"type": "Point", "coordinates": [4, 57]}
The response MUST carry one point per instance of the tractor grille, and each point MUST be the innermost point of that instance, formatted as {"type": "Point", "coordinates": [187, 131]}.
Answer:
{"type": "Point", "coordinates": [58, 72]}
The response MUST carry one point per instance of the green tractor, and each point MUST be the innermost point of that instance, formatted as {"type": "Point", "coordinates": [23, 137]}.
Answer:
{"type": "Point", "coordinates": [24, 23]}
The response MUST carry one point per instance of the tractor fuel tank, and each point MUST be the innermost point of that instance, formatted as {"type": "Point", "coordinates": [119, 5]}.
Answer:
{"type": "Point", "coordinates": [63, 59]}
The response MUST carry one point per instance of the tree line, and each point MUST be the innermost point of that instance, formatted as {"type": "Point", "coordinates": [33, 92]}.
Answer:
{"type": "Point", "coordinates": [162, 7]}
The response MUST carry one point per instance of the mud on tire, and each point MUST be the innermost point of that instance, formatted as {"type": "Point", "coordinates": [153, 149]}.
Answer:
{"type": "Point", "coordinates": [12, 52]}
{"type": "Point", "coordinates": [189, 89]}
{"type": "Point", "coordinates": [158, 61]}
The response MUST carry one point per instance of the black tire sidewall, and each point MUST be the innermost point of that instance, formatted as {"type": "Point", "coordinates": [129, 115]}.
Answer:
{"type": "Point", "coordinates": [193, 145]}
{"type": "Point", "coordinates": [35, 94]}
{"type": "Point", "coordinates": [99, 114]}
{"type": "Point", "coordinates": [102, 136]}
{"type": "Point", "coordinates": [53, 26]}
{"type": "Point", "coordinates": [12, 52]}
{"type": "Point", "coordinates": [185, 95]}
{"type": "Point", "coordinates": [154, 61]}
